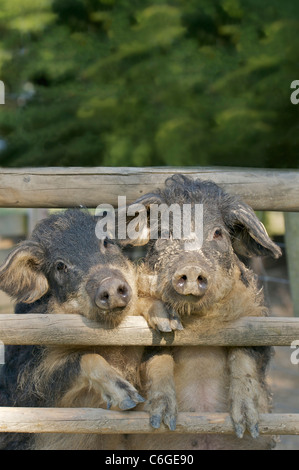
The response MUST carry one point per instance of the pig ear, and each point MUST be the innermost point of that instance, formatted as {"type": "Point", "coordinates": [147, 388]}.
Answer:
{"type": "Point", "coordinates": [21, 276]}
{"type": "Point", "coordinates": [141, 205]}
{"type": "Point", "coordinates": [249, 236]}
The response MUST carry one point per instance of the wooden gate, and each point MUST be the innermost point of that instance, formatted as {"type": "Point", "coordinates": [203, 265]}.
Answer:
{"type": "Point", "coordinates": [72, 187]}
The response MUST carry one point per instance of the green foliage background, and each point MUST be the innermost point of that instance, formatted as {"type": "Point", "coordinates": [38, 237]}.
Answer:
{"type": "Point", "coordinates": [149, 82]}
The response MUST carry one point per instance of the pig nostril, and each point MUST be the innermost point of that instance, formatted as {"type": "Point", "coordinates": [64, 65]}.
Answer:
{"type": "Point", "coordinates": [104, 296]}
{"type": "Point", "coordinates": [123, 291]}
{"type": "Point", "coordinates": [202, 282]}
{"type": "Point", "coordinates": [181, 281]}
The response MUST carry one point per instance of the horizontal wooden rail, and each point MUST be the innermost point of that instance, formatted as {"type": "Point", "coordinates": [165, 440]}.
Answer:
{"type": "Point", "coordinates": [76, 330]}
{"type": "Point", "coordinates": [69, 187]}
{"type": "Point", "coordinates": [99, 421]}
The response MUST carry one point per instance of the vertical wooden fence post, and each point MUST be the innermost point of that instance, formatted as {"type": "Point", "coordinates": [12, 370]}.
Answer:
{"type": "Point", "coordinates": [292, 251]}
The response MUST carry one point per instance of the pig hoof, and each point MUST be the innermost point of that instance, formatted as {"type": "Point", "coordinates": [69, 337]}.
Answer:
{"type": "Point", "coordinates": [168, 324]}
{"type": "Point", "coordinates": [109, 404]}
{"type": "Point", "coordinates": [170, 422]}
{"type": "Point", "coordinates": [254, 431]}
{"type": "Point", "coordinates": [239, 430]}
{"type": "Point", "coordinates": [163, 318]}
{"type": "Point", "coordinates": [245, 416]}
{"type": "Point", "coordinates": [161, 322]}
{"type": "Point", "coordinates": [139, 398]}
{"type": "Point", "coordinates": [163, 325]}
{"type": "Point", "coordinates": [175, 321]}
{"type": "Point", "coordinates": [127, 404]}
{"type": "Point", "coordinates": [162, 407]}
{"type": "Point", "coordinates": [118, 392]}
{"type": "Point", "coordinates": [131, 400]}
{"type": "Point", "coordinates": [155, 421]}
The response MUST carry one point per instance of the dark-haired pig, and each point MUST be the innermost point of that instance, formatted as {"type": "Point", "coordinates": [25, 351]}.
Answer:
{"type": "Point", "coordinates": [64, 268]}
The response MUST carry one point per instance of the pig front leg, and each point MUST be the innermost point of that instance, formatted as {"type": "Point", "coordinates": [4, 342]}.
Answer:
{"type": "Point", "coordinates": [115, 390]}
{"type": "Point", "coordinates": [98, 384]}
{"type": "Point", "coordinates": [158, 379]}
{"type": "Point", "coordinates": [247, 393]}
{"type": "Point", "coordinates": [158, 315]}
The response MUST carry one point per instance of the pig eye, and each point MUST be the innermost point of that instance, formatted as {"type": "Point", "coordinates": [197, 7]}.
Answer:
{"type": "Point", "coordinates": [60, 266]}
{"type": "Point", "coordinates": [217, 234]}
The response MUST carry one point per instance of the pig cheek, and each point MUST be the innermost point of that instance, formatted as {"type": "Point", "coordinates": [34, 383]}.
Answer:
{"type": "Point", "coordinates": [65, 286]}
{"type": "Point", "coordinates": [77, 302]}
{"type": "Point", "coordinates": [221, 284]}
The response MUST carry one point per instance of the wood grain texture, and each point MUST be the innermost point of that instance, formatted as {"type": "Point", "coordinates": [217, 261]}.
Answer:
{"type": "Point", "coordinates": [71, 187]}
{"type": "Point", "coordinates": [99, 421]}
{"type": "Point", "coordinates": [62, 329]}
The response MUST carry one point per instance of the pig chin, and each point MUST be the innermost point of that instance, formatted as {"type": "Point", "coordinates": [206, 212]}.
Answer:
{"type": "Point", "coordinates": [186, 304]}
{"type": "Point", "coordinates": [111, 317]}
{"type": "Point", "coordinates": [194, 304]}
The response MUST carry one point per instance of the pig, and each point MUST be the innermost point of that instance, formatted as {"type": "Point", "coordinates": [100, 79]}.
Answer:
{"type": "Point", "coordinates": [64, 268]}
{"type": "Point", "coordinates": [208, 287]}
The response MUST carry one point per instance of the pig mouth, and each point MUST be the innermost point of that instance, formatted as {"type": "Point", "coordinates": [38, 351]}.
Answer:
{"type": "Point", "coordinates": [112, 316]}
{"type": "Point", "coordinates": [189, 298]}
{"type": "Point", "coordinates": [173, 297]}
{"type": "Point", "coordinates": [115, 311]}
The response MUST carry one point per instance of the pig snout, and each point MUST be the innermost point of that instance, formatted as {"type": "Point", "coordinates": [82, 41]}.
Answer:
{"type": "Point", "coordinates": [112, 294]}
{"type": "Point", "coordinates": [108, 290]}
{"type": "Point", "coordinates": [190, 280]}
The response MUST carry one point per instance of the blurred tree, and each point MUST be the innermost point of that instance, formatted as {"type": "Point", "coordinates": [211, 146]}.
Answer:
{"type": "Point", "coordinates": [149, 82]}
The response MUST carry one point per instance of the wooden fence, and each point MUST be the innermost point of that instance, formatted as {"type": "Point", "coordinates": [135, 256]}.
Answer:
{"type": "Point", "coordinates": [71, 187]}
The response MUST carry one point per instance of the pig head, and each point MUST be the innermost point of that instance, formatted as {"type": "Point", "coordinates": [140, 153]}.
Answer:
{"type": "Point", "coordinates": [192, 280]}
{"type": "Point", "coordinates": [64, 266]}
